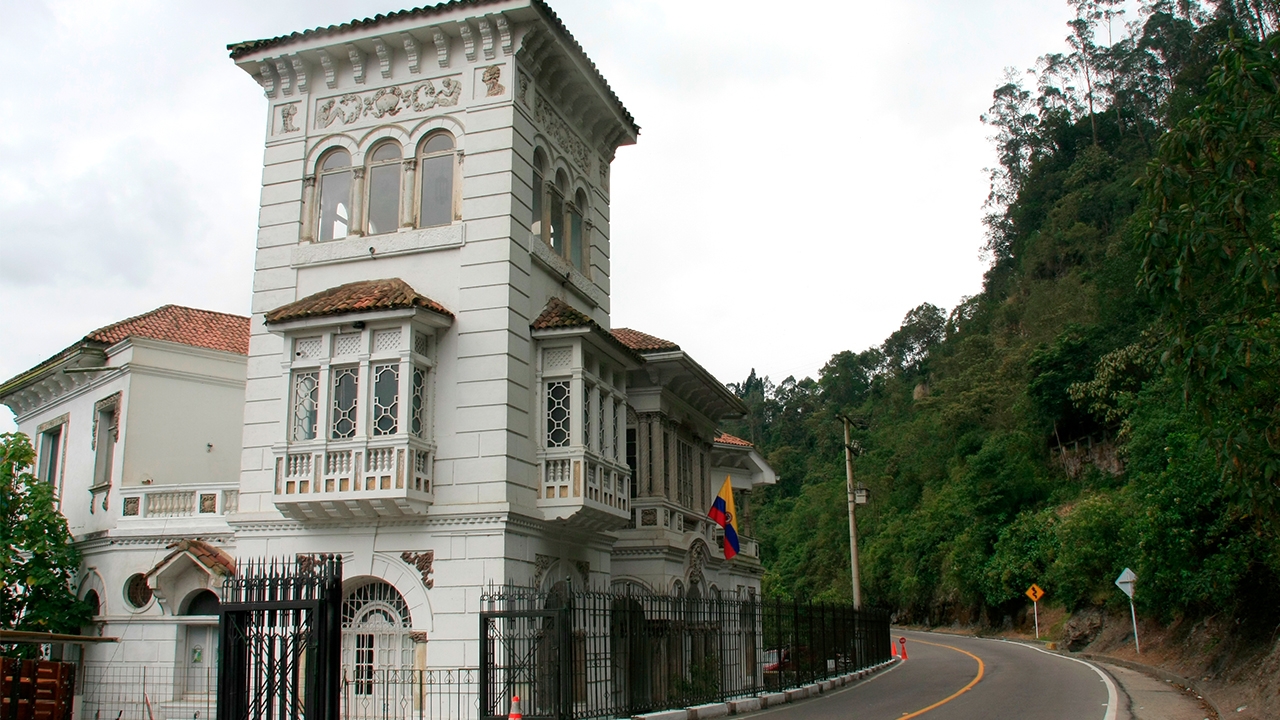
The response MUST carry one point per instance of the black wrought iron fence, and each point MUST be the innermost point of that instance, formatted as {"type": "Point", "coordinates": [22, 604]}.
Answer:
{"type": "Point", "coordinates": [595, 654]}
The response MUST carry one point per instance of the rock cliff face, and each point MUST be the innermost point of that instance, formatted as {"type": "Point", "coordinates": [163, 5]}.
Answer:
{"type": "Point", "coordinates": [1082, 628]}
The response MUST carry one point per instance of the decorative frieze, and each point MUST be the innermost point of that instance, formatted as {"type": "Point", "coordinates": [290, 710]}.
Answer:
{"type": "Point", "coordinates": [415, 97]}
{"type": "Point", "coordinates": [561, 133]}
{"type": "Point", "coordinates": [287, 114]}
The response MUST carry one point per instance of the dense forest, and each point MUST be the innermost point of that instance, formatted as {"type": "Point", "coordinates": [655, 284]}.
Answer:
{"type": "Point", "coordinates": [1112, 396]}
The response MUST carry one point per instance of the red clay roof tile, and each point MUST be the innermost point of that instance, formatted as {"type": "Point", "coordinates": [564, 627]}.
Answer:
{"type": "Point", "coordinates": [211, 557]}
{"type": "Point", "coordinates": [643, 342]}
{"type": "Point", "coordinates": [182, 325]}
{"type": "Point", "coordinates": [560, 314]}
{"type": "Point", "coordinates": [356, 297]}
{"type": "Point", "coordinates": [727, 439]}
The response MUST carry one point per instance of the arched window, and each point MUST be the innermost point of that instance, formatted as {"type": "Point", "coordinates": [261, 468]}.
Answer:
{"type": "Point", "coordinates": [335, 196]}
{"type": "Point", "coordinates": [95, 604]}
{"type": "Point", "coordinates": [384, 188]}
{"type": "Point", "coordinates": [556, 198]}
{"type": "Point", "coordinates": [577, 233]}
{"type": "Point", "coordinates": [375, 635]}
{"type": "Point", "coordinates": [436, 169]}
{"type": "Point", "coordinates": [539, 190]}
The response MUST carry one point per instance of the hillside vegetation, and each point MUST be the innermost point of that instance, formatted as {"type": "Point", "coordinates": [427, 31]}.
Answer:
{"type": "Point", "coordinates": [1112, 396]}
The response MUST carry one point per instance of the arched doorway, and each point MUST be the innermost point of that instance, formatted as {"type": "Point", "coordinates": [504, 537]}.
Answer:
{"type": "Point", "coordinates": [376, 644]}
{"type": "Point", "coordinates": [199, 659]}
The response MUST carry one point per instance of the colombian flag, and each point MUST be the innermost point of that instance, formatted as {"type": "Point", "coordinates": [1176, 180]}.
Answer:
{"type": "Point", "coordinates": [723, 514]}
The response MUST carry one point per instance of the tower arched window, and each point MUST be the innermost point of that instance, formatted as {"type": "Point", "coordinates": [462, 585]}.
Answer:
{"type": "Point", "coordinates": [335, 196]}
{"type": "Point", "coordinates": [539, 190]}
{"type": "Point", "coordinates": [436, 167]}
{"type": "Point", "coordinates": [384, 188]}
{"type": "Point", "coordinates": [577, 232]}
{"type": "Point", "coordinates": [556, 202]}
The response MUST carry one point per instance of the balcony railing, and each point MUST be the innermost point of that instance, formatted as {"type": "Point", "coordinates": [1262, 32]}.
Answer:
{"type": "Point", "coordinates": [364, 478]}
{"type": "Point", "coordinates": [176, 501]}
{"type": "Point", "coordinates": [584, 488]}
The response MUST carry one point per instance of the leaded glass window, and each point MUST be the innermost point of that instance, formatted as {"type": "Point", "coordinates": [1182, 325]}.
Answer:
{"type": "Point", "coordinates": [346, 390]}
{"type": "Point", "coordinates": [684, 472]}
{"type": "Point", "coordinates": [558, 414]}
{"type": "Point", "coordinates": [418, 398]}
{"type": "Point", "coordinates": [386, 398]}
{"type": "Point", "coordinates": [306, 394]}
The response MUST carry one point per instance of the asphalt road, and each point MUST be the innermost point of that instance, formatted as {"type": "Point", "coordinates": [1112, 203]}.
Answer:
{"type": "Point", "coordinates": [958, 678]}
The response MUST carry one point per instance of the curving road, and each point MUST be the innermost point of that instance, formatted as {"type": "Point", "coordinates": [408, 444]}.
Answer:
{"type": "Point", "coordinates": [960, 678]}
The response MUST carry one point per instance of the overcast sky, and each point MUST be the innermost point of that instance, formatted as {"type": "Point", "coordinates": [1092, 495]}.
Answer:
{"type": "Point", "coordinates": [805, 175]}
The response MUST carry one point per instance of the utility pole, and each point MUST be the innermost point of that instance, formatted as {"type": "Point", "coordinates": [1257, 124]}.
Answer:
{"type": "Point", "coordinates": [853, 523]}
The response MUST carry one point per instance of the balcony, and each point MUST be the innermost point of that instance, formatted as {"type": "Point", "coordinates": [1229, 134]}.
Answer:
{"type": "Point", "coordinates": [213, 500]}
{"type": "Point", "coordinates": [377, 477]}
{"type": "Point", "coordinates": [584, 489]}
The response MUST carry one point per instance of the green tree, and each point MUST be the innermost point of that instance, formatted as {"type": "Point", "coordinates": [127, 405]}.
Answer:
{"type": "Point", "coordinates": [37, 560]}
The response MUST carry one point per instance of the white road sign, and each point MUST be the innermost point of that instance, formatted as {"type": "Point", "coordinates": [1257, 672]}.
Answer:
{"type": "Point", "coordinates": [1126, 581]}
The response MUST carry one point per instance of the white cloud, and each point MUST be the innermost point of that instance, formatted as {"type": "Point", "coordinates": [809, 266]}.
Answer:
{"type": "Point", "coordinates": [805, 174]}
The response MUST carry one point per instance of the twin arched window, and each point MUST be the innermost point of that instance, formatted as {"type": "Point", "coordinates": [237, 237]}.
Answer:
{"type": "Point", "coordinates": [371, 200]}
{"type": "Point", "coordinates": [557, 218]}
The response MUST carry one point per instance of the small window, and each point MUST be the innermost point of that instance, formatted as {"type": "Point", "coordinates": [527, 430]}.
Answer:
{"type": "Point", "coordinates": [94, 602]}
{"type": "Point", "coordinates": [51, 454]}
{"type": "Point", "coordinates": [436, 170]}
{"type": "Point", "coordinates": [418, 412]}
{"type": "Point", "coordinates": [384, 188]}
{"type": "Point", "coordinates": [345, 391]}
{"type": "Point", "coordinates": [335, 196]}
{"type": "Point", "coordinates": [136, 591]}
{"type": "Point", "coordinates": [104, 443]}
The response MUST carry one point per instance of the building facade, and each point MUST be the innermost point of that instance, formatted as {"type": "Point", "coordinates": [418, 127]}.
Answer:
{"type": "Point", "coordinates": [432, 386]}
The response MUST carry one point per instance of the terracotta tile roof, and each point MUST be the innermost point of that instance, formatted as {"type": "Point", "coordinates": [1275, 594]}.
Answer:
{"type": "Point", "coordinates": [643, 342]}
{"type": "Point", "coordinates": [560, 314]}
{"type": "Point", "coordinates": [727, 439]}
{"type": "Point", "coordinates": [216, 559]}
{"type": "Point", "coordinates": [182, 325]}
{"type": "Point", "coordinates": [356, 297]}
{"type": "Point", "coordinates": [240, 49]}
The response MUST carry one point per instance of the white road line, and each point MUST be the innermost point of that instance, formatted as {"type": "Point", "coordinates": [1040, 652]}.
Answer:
{"type": "Point", "coordinates": [1112, 694]}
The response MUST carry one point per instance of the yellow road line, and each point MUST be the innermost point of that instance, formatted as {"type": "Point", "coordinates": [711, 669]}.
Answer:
{"type": "Point", "coordinates": [976, 678]}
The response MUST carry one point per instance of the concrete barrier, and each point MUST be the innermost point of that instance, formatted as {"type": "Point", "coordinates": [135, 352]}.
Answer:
{"type": "Point", "coordinates": [681, 714]}
{"type": "Point", "coordinates": [710, 710]}
{"type": "Point", "coordinates": [795, 694]}
{"type": "Point", "coordinates": [746, 705]}
{"type": "Point", "coordinates": [773, 699]}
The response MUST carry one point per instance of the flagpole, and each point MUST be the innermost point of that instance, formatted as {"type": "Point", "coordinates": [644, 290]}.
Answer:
{"type": "Point", "coordinates": [853, 524]}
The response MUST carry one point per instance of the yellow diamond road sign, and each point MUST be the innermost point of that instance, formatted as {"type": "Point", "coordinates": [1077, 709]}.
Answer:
{"type": "Point", "coordinates": [1035, 593]}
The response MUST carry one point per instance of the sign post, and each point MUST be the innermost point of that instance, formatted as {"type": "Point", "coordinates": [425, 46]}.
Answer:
{"type": "Point", "coordinates": [1035, 593]}
{"type": "Point", "coordinates": [1125, 582]}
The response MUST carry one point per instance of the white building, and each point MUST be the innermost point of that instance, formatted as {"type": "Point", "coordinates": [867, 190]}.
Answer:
{"type": "Point", "coordinates": [433, 388]}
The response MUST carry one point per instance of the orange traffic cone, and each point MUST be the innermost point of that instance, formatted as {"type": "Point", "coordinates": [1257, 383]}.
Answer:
{"type": "Point", "coordinates": [903, 642]}
{"type": "Point", "coordinates": [893, 648]}
{"type": "Point", "coordinates": [515, 709]}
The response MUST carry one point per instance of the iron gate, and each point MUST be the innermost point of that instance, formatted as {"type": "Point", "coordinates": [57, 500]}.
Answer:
{"type": "Point", "coordinates": [280, 626]}
{"type": "Point", "coordinates": [525, 652]}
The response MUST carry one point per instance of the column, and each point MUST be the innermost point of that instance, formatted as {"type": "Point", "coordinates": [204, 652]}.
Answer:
{"type": "Point", "coordinates": [408, 198]}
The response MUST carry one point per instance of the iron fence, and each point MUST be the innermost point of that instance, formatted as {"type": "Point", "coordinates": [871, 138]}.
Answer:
{"type": "Point", "coordinates": [128, 692]}
{"type": "Point", "coordinates": [595, 654]}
